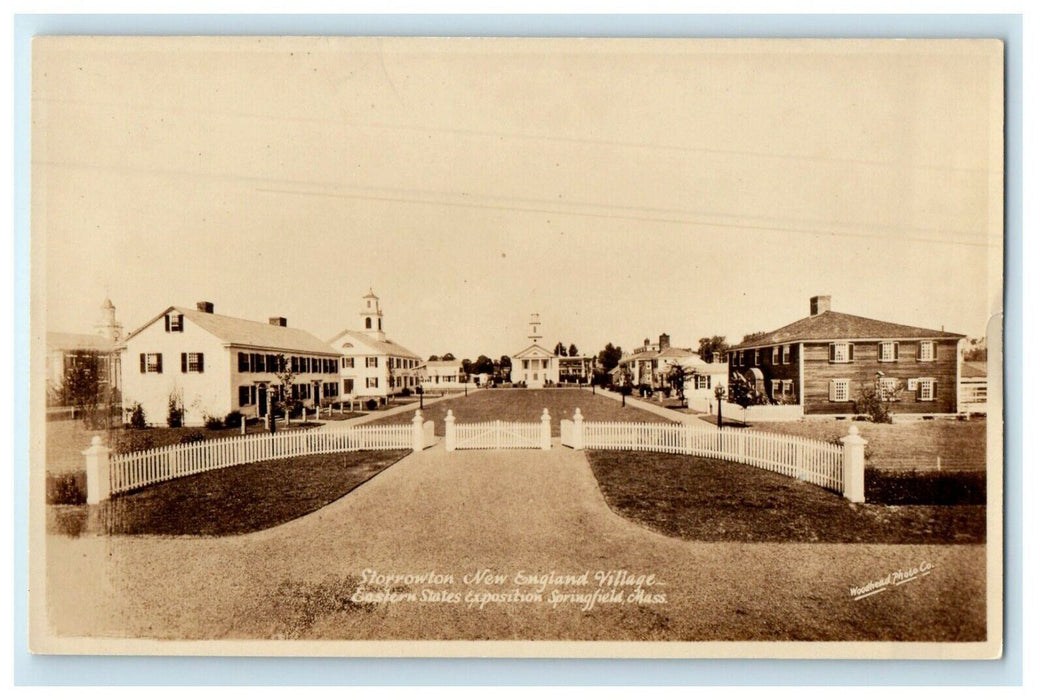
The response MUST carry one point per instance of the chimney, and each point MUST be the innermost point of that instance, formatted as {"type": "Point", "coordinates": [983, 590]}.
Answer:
{"type": "Point", "coordinates": [665, 341]}
{"type": "Point", "coordinates": [819, 304]}
{"type": "Point", "coordinates": [205, 306]}
{"type": "Point", "coordinates": [277, 321]}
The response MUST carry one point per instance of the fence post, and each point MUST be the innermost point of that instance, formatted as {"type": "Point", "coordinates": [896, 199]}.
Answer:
{"type": "Point", "coordinates": [97, 471]}
{"type": "Point", "coordinates": [418, 431]}
{"type": "Point", "coordinates": [578, 430]}
{"type": "Point", "coordinates": [451, 431]}
{"type": "Point", "coordinates": [545, 430]}
{"type": "Point", "coordinates": [854, 464]}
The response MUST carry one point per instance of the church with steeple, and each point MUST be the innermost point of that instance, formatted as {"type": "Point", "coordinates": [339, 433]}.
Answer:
{"type": "Point", "coordinates": [535, 366]}
{"type": "Point", "coordinates": [372, 366]}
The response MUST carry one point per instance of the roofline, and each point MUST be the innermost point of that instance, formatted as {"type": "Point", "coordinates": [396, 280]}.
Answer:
{"type": "Point", "coordinates": [953, 336]}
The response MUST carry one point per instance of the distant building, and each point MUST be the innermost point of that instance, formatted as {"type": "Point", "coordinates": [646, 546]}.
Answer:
{"type": "Point", "coordinates": [213, 364]}
{"type": "Point", "coordinates": [535, 366]}
{"type": "Point", "coordinates": [68, 350]}
{"type": "Point", "coordinates": [371, 365]}
{"type": "Point", "coordinates": [652, 364]}
{"type": "Point", "coordinates": [442, 375]}
{"type": "Point", "coordinates": [824, 361]}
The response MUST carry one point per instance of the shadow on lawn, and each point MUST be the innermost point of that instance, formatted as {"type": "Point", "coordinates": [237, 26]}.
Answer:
{"type": "Point", "coordinates": [229, 501]}
{"type": "Point", "coordinates": [716, 501]}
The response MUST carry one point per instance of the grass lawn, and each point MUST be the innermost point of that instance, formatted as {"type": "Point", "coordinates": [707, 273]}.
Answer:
{"type": "Point", "coordinates": [234, 500]}
{"type": "Point", "coordinates": [66, 440]}
{"type": "Point", "coordinates": [904, 444]}
{"type": "Point", "coordinates": [527, 405]}
{"type": "Point", "coordinates": [712, 501]}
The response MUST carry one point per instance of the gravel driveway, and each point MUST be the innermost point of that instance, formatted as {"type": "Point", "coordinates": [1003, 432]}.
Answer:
{"type": "Point", "coordinates": [522, 514]}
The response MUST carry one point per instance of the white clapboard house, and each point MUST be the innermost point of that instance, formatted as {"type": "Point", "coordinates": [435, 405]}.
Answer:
{"type": "Point", "coordinates": [212, 365]}
{"type": "Point", "coordinates": [372, 366]}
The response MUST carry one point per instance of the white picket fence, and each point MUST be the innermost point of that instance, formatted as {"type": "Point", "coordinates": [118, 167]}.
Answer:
{"type": "Point", "coordinates": [817, 462]}
{"type": "Point", "coordinates": [497, 435]}
{"type": "Point", "coordinates": [137, 469]}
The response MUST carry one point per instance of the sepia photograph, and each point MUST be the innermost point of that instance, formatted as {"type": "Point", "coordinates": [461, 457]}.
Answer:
{"type": "Point", "coordinates": [518, 347]}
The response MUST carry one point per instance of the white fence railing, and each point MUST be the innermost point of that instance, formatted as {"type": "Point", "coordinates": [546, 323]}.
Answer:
{"type": "Point", "coordinates": [821, 463]}
{"type": "Point", "coordinates": [498, 434]}
{"type": "Point", "coordinates": [110, 474]}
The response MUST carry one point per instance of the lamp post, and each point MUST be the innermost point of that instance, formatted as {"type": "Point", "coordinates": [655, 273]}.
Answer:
{"type": "Point", "coordinates": [719, 394]}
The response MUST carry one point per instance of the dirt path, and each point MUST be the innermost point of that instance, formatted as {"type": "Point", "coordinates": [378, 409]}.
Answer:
{"type": "Point", "coordinates": [527, 512]}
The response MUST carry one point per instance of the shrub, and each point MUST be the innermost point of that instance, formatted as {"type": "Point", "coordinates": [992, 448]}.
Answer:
{"type": "Point", "coordinates": [405, 391]}
{"type": "Point", "coordinates": [908, 487]}
{"type": "Point", "coordinates": [873, 405]}
{"type": "Point", "coordinates": [194, 436]}
{"type": "Point", "coordinates": [213, 423]}
{"type": "Point", "coordinates": [233, 419]}
{"type": "Point", "coordinates": [371, 404]}
{"type": "Point", "coordinates": [133, 441]}
{"type": "Point", "coordinates": [137, 418]}
{"type": "Point", "coordinates": [67, 489]}
{"type": "Point", "coordinates": [174, 412]}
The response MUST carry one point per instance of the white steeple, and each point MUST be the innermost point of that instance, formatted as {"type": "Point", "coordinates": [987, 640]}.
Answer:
{"type": "Point", "coordinates": [108, 327]}
{"type": "Point", "coordinates": [534, 328]}
{"type": "Point", "coordinates": [372, 316]}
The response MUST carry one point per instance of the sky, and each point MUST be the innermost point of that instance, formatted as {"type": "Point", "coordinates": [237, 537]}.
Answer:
{"type": "Point", "coordinates": [619, 188]}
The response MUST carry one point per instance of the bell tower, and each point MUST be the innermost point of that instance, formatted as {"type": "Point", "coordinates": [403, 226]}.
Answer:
{"type": "Point", "coordinates": [534, 327]}
{"type": "Point", "coordinates": [108, 327]}
{"type": "Point", "coordinates": [372, 316]}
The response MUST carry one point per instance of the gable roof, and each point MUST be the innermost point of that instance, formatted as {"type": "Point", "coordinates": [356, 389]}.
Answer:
{"type": "Point", "coordinates": [380, 347]}
{"type": "Point", "coordinates": [833, 325]}
{"type": "Point", "coordinates": [245, 333]}
{"type": "Point", "coordinates": [543, 350]}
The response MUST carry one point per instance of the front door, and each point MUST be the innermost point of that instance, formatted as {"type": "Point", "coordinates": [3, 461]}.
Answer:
{"type": "Point", "coordinates": [262, 401]}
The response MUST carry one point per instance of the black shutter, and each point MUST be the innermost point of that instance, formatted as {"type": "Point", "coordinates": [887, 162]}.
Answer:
{"type": "Point", "coordinates": [159, 363]}
{"type": "Point", "coordinates": [200, 363]}
{"type": "Point", "coordinates": [166, 323]}
{"type": "Point", "coordinates": [184, 362]}
{"type": "Point", "coordinates": [181, 323]}
{"type": "Point", "coordinates": [141, 357]}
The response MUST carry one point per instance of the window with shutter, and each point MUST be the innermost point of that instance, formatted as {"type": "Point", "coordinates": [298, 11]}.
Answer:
{"type": "Point", "coordinates": [927, 351]}
{"type": "Point", "coordinates": [839, 390]}
{"type": "Point", "coordinates": [888, 351]}
{"type": "Point", "coordinates": [141, 359]}
{"type": "Point", "coordinates": [841, 352]}
{"type": "Point", "coordinates": [159, 363]}
{"type": "Point", "coordinates": [244, 362]}
{"type": "Point", "coordinates": [184, 362]}
{"type": "Point", "coordinates": [786, 354]}
{"type": "Point", "coordinates": [244, 396]}
{"type": "Point", "coordinates": [927, 389]}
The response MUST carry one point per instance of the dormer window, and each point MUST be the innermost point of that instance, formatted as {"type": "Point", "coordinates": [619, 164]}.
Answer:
{"type": "Point", "coordinates": [174, 323]}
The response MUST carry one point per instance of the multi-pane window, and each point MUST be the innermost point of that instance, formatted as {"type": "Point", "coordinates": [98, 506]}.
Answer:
{"type": "Point", "coordinates": [151, 362]}
{"type": "Point", "coordinates": [926, 352]}
{"type": "Point", "coordinates": [175, 323]}
{"type": "Point", "coordinates": [371, 362]}
{"type": "Point", "coordinates": [888, 388]}
{"type": "Point", "coordinates": [347, 362]}
{"type": "Point", "coordinates": [757, 356]}
{"type": "Point", "coordinates": [244, 362]}
{"type": "Point", "coordinates": [786, 387]}
{"type": "Point", "coordinates": [839, 389]}
{"type": "Point", "coordinates": [244, 396]}
{"type": "Point", "coordinates": [888, 351]}
{"type": "Point", "coordinates": [785, 353]}
{"type": "Point", "coordinates": [349, 386]}
{"type": "Point", "coordinates": [841, 352]}
{"type": "Point", "coordinates": [702, 381]}
{"type": "Point", "coordinates": [192, 362]}
{"type": "Point", "coordinates": [371, 382]}
{"type": "Point", "coordinates": [926, 389]}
